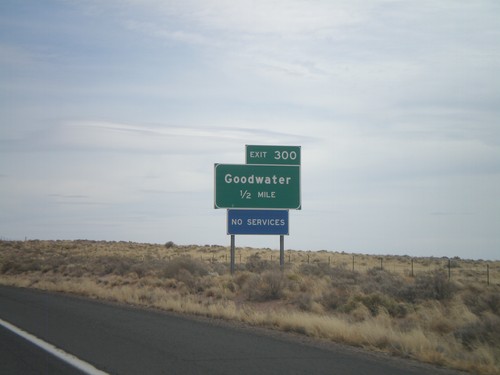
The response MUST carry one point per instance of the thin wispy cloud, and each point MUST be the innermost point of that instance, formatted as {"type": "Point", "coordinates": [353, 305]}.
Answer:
{"type": "Point", "coordinates": [163, 32]}
{"type": "Point", "coordinates": [120, 137]}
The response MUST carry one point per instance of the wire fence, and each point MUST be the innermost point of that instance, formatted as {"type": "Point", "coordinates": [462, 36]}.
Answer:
{"type": "Point", "coordinates": [466, 271]}
{"type": "Point", "coordinates": [456, 269]}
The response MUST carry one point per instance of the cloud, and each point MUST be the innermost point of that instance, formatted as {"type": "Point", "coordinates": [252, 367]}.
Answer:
{"type": "Point", "coordinates": [15, 55]}
{"type": "Point", "coordinates": [260, 17]}
{"type": "Point", "coordinates": [111, 136]}
{"type": "Point", "coordinates": [438, 213]}
{"type": "Point", "coordinates": [163, 32]}
{"type": "Point", "coordinates": [69, 196]}
{"type": "Point", "coordinates": [277, 35]}
{"type": "Point", "coordinates": [148, 139]}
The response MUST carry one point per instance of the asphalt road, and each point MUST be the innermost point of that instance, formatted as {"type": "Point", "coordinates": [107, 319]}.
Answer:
{"type": "Point", "coordinates": [119, 339]}
{"type": "Point", "coordinates": [19, 356]}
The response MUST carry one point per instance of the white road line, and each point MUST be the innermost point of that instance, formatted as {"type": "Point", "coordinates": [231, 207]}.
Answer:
{"type": "Point", "coordinates": [59, 353]}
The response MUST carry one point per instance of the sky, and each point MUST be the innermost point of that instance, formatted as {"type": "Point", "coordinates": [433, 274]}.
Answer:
{"type": "Point", "coordinates": [113, 113]}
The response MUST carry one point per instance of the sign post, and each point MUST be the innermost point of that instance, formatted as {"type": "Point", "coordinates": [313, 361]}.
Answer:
{"type": "Point", "coordinates": [233, 253]}
{"type": "Point", "coordinates": [282, 252]}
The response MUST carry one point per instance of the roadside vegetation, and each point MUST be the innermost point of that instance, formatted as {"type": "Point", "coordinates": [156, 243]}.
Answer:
{"type": "Point", "coordinates": [441, 312]}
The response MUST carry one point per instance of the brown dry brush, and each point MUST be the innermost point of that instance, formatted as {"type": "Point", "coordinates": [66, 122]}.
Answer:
{"type": "Point", "coordinates": [462, 319]}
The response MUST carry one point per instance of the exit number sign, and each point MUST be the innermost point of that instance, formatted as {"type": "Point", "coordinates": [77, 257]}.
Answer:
{"type": "Point", "coordinates": [263, 154]}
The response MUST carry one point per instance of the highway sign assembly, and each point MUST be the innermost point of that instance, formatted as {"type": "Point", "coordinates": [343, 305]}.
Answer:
{"type": "Point", "coordinates": [259, 194]}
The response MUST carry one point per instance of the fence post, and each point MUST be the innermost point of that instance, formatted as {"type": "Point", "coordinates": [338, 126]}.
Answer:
{"type": "Point", "coordinates": [449, 268]}
{"type": "Point", "coordinates": [381, 264]}
{"type": "Point", "coordinates": [353, 263]}
{"type": "Point", "coordinates": [488, 274]}
{"type": "Point", "coordinates": [412, 274]}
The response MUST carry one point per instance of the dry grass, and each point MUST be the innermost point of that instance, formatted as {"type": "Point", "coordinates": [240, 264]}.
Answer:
{"type": "Point", "coordinates": [378, 305]}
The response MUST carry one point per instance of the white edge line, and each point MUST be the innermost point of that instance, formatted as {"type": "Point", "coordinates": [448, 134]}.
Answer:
{"type": "Point", "coordinates": [59, 353]}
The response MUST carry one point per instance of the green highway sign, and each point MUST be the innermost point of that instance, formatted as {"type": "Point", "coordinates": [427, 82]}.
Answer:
{"type": "Point", "coordinates": [264, 154]}
{"type": "Point", "coordinates": [257, 186]}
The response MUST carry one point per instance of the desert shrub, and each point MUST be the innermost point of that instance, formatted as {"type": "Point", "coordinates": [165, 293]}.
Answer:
{"type": "Point", "coordinates": [304, 301]}
{"type": "Point", "coordinates": [141, 269]}
{"type": "Point", "coordinates": [382, 281]}
{"type": "Point", "coordinates": [250, 288]}
{"type": "Point", "coordinates": [230, 285]}
{"type": "Point", "coordinates": [479, 301]}
{"type": "Point", "coordinates": [318, 269]}
{"type": "Point", "coordinates": [10, 267]}
{"type": "Point", "coordinates": [54, 264]}
{"type": "Point", "coordinates": [241, 278]}
{"type": "Point", "coordinates": [375, 302]}
{"type": "Point", "coordinates": [400, 310]}
{"type": "Point", "coordinates": [169, 244]}
{"type": "Point", "coordinates": [434, 285]}
{"type": "Point", "coordinates": [255, 263]}
{"type": "Point", "coordinates": [186, 277]}
{"type": "Point", "coordinates": [485, 331]}
{"type": "Point", "coordinates": [351, 304]}
{"type": "Point", "coordinates": [268, 286]}
{"type": "Point", "coordinates": [441, 324]}
{"type": "Point", "coordinates": [408, 293]}
{"type": "Point", "coordinates": [217, 287]}
{"type": "Point", "coordinates": [221, 268]}
{"type": "Point", "coordinates": [492, 300]}
{"type": "Point", "coordinates": [273, 285]}
{"type": "Point", "coordinates": [343, 277]}
{"type": "Point", "coordinates": [335, 298]}
{"type": "Point", "coordinates": [17, 266]}
{"type": "Point", "coordinates": [112, 264]}
{"type": "Point", "coordinates": [31, 265]}
{"type": "Point", "coordinates": [221, 290]}
{"type": "Point", "coordinates": [175, 266]}
{"type": "Point", "coordinates": [427, 286]}
{"type": "Point", "coordinates": [294, 282]}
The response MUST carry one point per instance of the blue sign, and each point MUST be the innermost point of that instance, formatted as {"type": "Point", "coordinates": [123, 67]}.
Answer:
{"type": "Point", "coordinates": [257, 222]}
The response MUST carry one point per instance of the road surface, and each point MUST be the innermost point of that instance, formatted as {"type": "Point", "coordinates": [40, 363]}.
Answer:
{"type": "Point", "coordinates": [120, 339]}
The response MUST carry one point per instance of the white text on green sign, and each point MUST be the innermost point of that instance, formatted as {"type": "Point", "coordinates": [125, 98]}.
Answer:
{"type": "Point", "coordinates": [264, 154]}
{"type": "Point", "coordinates": [257, 186]}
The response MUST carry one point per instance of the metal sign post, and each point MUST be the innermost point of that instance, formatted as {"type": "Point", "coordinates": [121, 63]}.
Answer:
{"type": "Point", "coordinates": [282, 252]}
{"type": "Point", "coordinates": [233, 252]}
